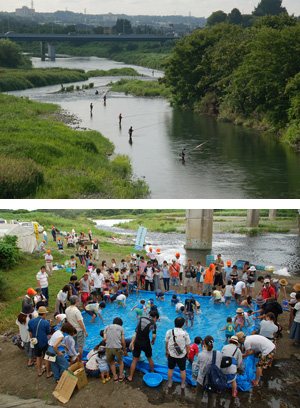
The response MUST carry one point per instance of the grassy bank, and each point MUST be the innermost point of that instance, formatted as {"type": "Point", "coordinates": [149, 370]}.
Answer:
{"type": "Point", "coordinates": [17, 79]}
{"type": "Point", "coordinates": [70, 164]}
{"type": "Point", "coordinates": [22, 276]}
{"type": "Point", "coordinates": [138, 87]}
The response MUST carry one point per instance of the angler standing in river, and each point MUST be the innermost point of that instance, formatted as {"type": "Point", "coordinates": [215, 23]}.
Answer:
{"type": "Point", "coordinates": [130, 131]}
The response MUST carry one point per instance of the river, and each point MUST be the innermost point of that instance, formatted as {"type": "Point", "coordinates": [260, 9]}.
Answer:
{"type": "Point", "coordinates": [234, 163]}
{"type": "Point", "coordinates": [280, 251]}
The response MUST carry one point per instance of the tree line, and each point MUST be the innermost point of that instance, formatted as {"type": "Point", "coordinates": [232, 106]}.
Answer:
{"type": "Point", "coordinates": [247, 75]}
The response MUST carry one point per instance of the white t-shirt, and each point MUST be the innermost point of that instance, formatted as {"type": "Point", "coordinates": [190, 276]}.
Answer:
{"type": "Point", "coordinates": [228, 291]}
{"type": "Point", "coordinates": [178, 306]}
{"type": "Point", "coordinates": [43, 279]}
{"type": "Point", "coordinates": [23, 328]}
{"type": "Point", "coordinates": [56, 335]}
{"type": "Point", "coordinates": [179, 262]}
{"type": "Point", "coordinates": [92, 307]}
{"type": "Point", "coordinates": [62, 296]}
{"type": "Point", "coordinates": [98, 279]}
{"type": "Point", "coordinates": [297, 315]}
{"type": "Point", "coordinates": [182, 338]}
{"type": "Point", "coordinates": [259, 343]}
{"type": "Point", "coordinates": [121, 298]}
{"type": "Point", "coordinates": [48, 258]}
{"type": "Point", "coordinates": [73, 316]}
{"type": "Point", "coordinates": [61, 316]}
{"type": "Point", "coordinates": [268, 328]}
{"type": "Point", "coordinates": [238, 287]}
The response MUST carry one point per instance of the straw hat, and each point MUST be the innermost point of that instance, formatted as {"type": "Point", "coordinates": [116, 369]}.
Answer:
{"type": "Point", "coordinates": [239, 310]}
{"type": "Point", "coordinates": [42, 310]}
{"type": "Point", "coordinates": [240, 335]}
{"type": "Point", "coordinates": [297, 287]}
{"type": "Point", "coordinates": [283, 282]}
{"type": "Point", "coordinates": [234, 339]}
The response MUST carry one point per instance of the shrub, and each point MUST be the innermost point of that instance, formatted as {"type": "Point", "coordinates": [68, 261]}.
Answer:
{"type": "Point", "coordinates": [9, 252]}
{"type": "Point", "coordinates": [19, 178]}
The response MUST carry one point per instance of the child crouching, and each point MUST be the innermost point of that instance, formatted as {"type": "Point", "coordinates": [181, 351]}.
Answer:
{"type": "Point", "coordinates": [102, 364]}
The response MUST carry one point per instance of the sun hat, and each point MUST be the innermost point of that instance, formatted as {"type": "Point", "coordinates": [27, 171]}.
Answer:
{"type": "Point", "coordinates": [42, 310]}
{"type": "Point", "coordinates": [266, 280]}
{"type": "Point", "coordinates": [297, 287]}
{"type": "Point", "coordinates": [239, 310]}
{"type": "Point", "coordinates": [240, 335]}
{"type": "Point", "coordinates": [31, 291]}
{"type": "Point", "coordinates": [228, 263]}
{"type": "Point", "coordinates": [133, 256]}
{"type": "Point", "coordinates": [252, 268]}
{"type": "Point", "coordinates": [158, 251]}
{"type": "Point", "coordinates": [27, 309]}
{"type": "Point", "coordinates": [234, 339]}
{"type": "Point", "coordinates": [283, 282]}
{"type": "Point", "coordinates": [293, 295]}
{"type": "Point", "coordinates": [260, 301]}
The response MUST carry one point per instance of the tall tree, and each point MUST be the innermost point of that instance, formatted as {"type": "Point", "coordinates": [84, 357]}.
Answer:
{"type": "Point", "coordinates": [266, 7]}
{"type": "Point", "coordinates": [216, 17]}
{"type": "Point", "coordinates": [235, 17]}
{"type": "Point", "coordinates": [123, 26]}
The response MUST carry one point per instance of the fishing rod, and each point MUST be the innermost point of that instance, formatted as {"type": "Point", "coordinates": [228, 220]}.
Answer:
{"type": "Point", "coordinates": [149, 125]}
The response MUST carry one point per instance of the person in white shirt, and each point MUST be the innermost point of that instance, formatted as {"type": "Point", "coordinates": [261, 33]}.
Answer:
{"type": "Point", "coordinates": [98, 280]}
{"type": "Point", "coordinates": [267, 327]}
{"type": "Point", "coordinates": [121, 299]}
{"type": "Point", "coordinates": [261, 344]}
{"type": "Point", "coordinates": [45, 236]}
{"type": "Point", "coordinates": [150, 254]}
{"type": "Point", "coordinates": [48, 260]}
{"type": "Point", "coordinates": [159, 257]}
{"type": "Point", "coordinates": [177, 349]}
{"type": "Point", "coordinates": [42, 246]}
{"type": "Point", "coordinates": [95, 249]}
{"type": "Point", "coordinates": [239, 291]}
{"type": "Point", "coordinates": [60, 364]}
{"type": "Point", "coordinates": [75, 318]}
{"type": "Point", "coordinates": [42, 280]}
{"type": "Point", "coordinates": [179, 308]}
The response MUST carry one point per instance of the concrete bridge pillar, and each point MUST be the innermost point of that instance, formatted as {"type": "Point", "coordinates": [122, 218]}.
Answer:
{"type": "Point", "coordinates": [272, 215]}
{"type": "Point", "coordinates": [51, 51]}
{"type": "Point", "coordinates": [253, 218]}
{"type": "Point", "coordinates": [43, 51]}
{"type": "Point", "coordinates": [199, 228]}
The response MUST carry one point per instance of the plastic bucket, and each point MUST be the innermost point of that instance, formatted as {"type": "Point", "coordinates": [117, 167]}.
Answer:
{"type": "Point", "coordinates": [152, 379]}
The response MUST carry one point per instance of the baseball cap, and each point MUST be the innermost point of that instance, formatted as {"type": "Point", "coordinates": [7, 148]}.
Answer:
{"type": "Point", "coordinates": [31, 291]}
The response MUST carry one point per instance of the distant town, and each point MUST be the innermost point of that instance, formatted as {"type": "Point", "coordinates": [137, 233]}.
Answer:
{"type": "Point", "coordinates": [174, 24]}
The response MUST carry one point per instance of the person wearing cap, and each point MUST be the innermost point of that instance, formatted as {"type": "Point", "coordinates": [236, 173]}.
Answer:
{"type": "Point", "coordinates": [42, 246]}
{"type": "Point", "coordinates": [239, 291]}
{"type": "Point", "coordinates": [174, 270]}
{"type": "Point", "coordinates": [256, 343]}
{"type": "Point", "coordinates": [74, 317]}
{"type": "Point", "coordinates": [208, 279]}
{"type": "Point", "coordinates": [159, 256]}
{"type": "Point", "coordinates": [28, 298]}
{"type": "Point", "coordinates": [95, 249]}
{"type": "Point", "coordinates": [42, 280]}
{"type": "Point", "coordinates": [202, 365]}
{"type": "Point", "coordinates": [73, 232]}
{"type": "Point", "coordinates": [53, 232]}
{"type": "Point", "coordinates": [22, 322]}
{"type": "Point", "coordinates": [49, 264]}
{"type": "Point", "coordinates": [239, 319]}
{"type": "Point", "coordinates": [268, 292]}
{"type": "Point", "coordinates": [232, 350]}
{"type": "Point", "coordinates": [250, 283]}
{"type": "Point", "coordinates": [45, 236]}
{"type": "Point", "coordinates": [60, 246]}
{"type": "Point", "coordinates": [189, 274]}
{"type": "Point", "coordinates": [151, 254]}
{"type": "Point", "coordinates": [227, 271]}
{"type": "Point", "coordinates": [39, 328]}
{"type": "Point", "coordinates": [180, 263]}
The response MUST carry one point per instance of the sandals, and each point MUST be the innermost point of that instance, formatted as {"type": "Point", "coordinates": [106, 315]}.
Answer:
{"type": "Point", "coordinates": [254, 383]}
{"type": "Point", "coordinates": [122, 378]}
{"type": "Point", "coordinates": [43, 370]}
{"type": "Point", "coordinates": [50, 375]}
{"type": "Point", "coordinates": [235, 394]}
{"type": "Point", "coordinates": [116, 379]}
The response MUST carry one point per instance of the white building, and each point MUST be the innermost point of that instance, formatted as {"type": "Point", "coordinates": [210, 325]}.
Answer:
{"type": "Point", "coordinates": [25, 12]}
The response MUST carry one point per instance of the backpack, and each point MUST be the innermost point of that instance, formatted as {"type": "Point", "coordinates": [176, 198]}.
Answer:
{"type": "Point", "coordinates": [214, 381]}
{"type": "Point", "coordinates": [227, 361]}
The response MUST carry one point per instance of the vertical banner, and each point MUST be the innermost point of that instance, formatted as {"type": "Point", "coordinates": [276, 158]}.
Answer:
{"type": "Point", "coordinates": [140, 238]}
{"type": "Point", "coordinates": [36, 230]}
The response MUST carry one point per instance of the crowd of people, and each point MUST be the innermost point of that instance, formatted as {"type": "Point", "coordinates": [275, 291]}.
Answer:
{"type": "Point", "coordinates": [100, 286]}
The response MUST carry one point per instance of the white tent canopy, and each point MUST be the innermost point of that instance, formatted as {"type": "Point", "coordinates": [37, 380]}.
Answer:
{"type": "Point", "coordinates": [26, 237]}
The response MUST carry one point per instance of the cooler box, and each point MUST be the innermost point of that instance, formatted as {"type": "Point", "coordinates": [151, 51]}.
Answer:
{"type": "Point", "coordinates": [210, 259]}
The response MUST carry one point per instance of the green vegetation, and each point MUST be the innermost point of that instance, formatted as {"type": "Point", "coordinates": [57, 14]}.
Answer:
{"type": "Point", "coordinates": [9, 252]}
{"type": "Point", "coordinates": [113, 72]}
{"type": "Point", "coordinates": [138, 87]}
{"type": "Point", "coordinates": [16, 79]}
{"type": "Point", "coordinates": [11, 55]}
{"type": "Point", "coordinates": [248, 76]}
{"type": "Point", "coordinates": [163, 222]}
{"type": "Point", "coordinates": [70, 164]}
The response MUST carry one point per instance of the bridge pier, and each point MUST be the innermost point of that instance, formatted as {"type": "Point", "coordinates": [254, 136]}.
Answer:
{"type": "Point", "coordinates": [199, 227]}
{"type": "Point", "coordinates": [43, 51]}
{"type": "Point", "coordinates": [252, 218]}
{"type": "Point", "coordinates": [51, 51]}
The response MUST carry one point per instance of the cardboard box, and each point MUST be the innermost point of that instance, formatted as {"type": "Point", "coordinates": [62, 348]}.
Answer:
{"type": "Point", "coordinates": [65, 387]}
{"type": "Point", "coordinates": [78, 371]}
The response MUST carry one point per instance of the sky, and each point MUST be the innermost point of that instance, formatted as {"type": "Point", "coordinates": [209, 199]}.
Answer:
{"type": "Point", "coordinates": [197, 8]}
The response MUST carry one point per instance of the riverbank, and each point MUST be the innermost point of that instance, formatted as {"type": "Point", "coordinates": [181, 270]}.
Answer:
{"type": "Point", "coordinates": [141, 88]}
{"type": "Point", "coordinates": [54, 161]}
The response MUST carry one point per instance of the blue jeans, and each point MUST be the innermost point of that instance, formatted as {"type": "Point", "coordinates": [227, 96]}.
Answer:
{"type": "Point", "coordinates": [46, 239]}
{"type": "Point", "coordinates": [45, 292]}
{"type": "Point", "coordinates": [60, 365]}
{"type": "Point", "coordinates": [87, 261]}
{"type": "Point", "coordinates": [166, 283]}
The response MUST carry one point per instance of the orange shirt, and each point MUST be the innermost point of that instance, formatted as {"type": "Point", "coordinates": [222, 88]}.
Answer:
{"type": "Point", "coordinates": [174, 270]}
{"type": "Point", "coordinates": [209, 276]}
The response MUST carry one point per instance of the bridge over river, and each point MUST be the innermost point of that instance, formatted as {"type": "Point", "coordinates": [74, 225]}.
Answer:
{"type": "Point", "coordinates": [52, 39]}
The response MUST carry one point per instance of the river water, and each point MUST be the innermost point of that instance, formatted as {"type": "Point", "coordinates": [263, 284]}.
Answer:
{"type": "Point", "coordinates": [269, 249]}
{"type": "Point", "coordinates": [234, 163]}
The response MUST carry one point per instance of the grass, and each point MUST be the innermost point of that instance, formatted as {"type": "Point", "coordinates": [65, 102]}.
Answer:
{"type": "Point", "coordinates": [23, 275]}
{"type": "Point", "coordinates": [154, 222]}
{"type": "Point", "coordinates": [72, 164]}
{"type": "Point", "coordinates": [138, 87]}
{"type": "Point", "coordinates": [113, 72]}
